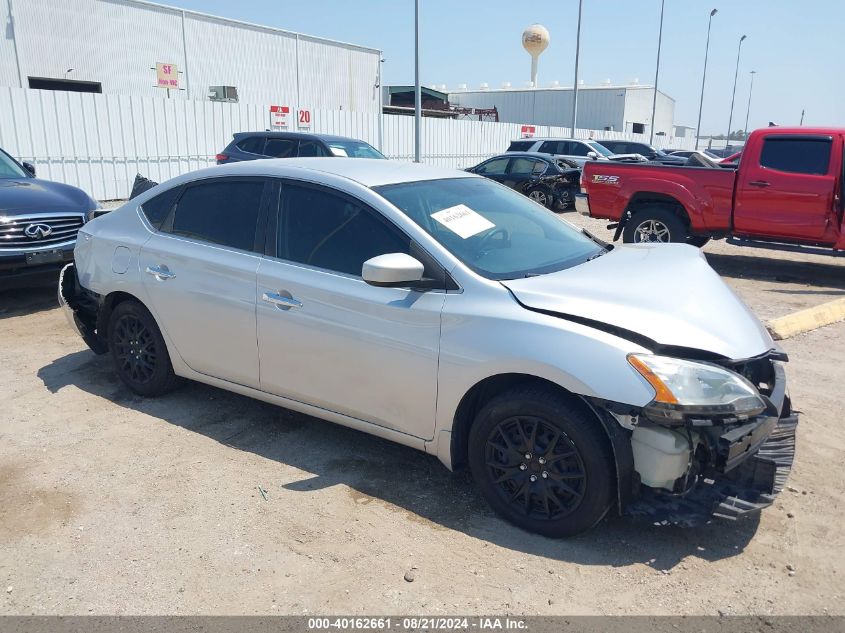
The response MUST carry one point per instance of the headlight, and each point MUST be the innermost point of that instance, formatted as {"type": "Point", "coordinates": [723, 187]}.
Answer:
{"type": "Point", "coordinates": [688, 389]}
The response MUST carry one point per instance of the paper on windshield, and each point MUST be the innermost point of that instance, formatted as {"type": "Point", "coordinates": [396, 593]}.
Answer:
{"type": "Point", "coordinates": [463, 221]}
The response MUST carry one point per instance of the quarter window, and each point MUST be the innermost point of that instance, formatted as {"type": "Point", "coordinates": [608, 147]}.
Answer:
{"type": "Point", "coordinates": [252, 144]}
{"type": "Point", "coordinates": [280, 147]}
{"type": "Point", "coordinates": [796, 155]}
{"type": "Point", "coordinates": [221, 212]}
{"type": "Point", "coordinates": [322, 229]}
{"type": "Point", "coordinates": [158, 208]}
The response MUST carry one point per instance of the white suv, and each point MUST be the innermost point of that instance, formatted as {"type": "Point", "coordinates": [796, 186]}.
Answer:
{"type": "Point", "coordinates": [573, 149]}
{"type": "Point", "coordinates": [447, 312]}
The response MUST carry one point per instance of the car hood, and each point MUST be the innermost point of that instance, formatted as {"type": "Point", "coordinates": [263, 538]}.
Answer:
{"type": "Point", "coordinates": [33, 195]}
{"type": "Point", "coordinates": [667, 293]}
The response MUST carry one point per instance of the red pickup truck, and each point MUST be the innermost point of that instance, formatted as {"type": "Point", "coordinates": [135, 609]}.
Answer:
{"type": "Point", "coordinates": [786, 193]}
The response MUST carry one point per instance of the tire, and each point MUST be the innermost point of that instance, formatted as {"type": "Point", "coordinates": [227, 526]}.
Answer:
{"type": "Point", "coordinates": [658, 224]}
{"type": "Point", "coordinates": [541, 195]}
{"type": "Point", "coordinates": [138, 352]}
{"type": "Point", "coordinates": [512, 444]}
{"type": "Point", "coordinates": [697, 240]}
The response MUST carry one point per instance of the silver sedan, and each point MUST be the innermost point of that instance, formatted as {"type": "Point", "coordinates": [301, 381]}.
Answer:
{"type": "Point", "coordinates": [449, 313]}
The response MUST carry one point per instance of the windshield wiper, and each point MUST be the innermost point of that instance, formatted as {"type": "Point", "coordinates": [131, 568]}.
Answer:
{"type": "Point", "coordinates": [603, 251]}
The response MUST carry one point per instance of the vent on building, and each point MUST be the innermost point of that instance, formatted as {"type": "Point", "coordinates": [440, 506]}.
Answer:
{"type": "Point", "coordinates": [223, 93]}
{"type": "Point", "coordinates": [638, 128]}
{"type": "Point", "coordinates": [67, 85]}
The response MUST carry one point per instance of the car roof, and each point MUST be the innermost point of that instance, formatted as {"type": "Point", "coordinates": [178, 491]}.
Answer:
{"type": "Point", "coordinates": [552, 138]}
{"type": "Point", "coordinates": [301, 135]}
{"type": "Point", "coordinates": [370, 172]}
{"type": "Point", "coordinates": [540, 155]}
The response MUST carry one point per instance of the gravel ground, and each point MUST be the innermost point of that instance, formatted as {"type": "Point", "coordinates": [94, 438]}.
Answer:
{"type": "Point", "coordinates": [112, 504]}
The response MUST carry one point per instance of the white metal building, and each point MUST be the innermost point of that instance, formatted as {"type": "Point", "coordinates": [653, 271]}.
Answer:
{"type": "Point", "coordinates": [113, 46]}
{"type": "Point", "coordinates": [618, 108]}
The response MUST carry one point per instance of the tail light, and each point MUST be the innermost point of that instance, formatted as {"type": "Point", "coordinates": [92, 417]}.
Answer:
{"type": "Point", "coordinates": [222, 157]}
{"type": "Point", "coordinates": [581, 182]}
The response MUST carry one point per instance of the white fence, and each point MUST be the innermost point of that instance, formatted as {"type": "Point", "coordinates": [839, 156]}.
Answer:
{"type": "Point", "coordinates": [99, 141]}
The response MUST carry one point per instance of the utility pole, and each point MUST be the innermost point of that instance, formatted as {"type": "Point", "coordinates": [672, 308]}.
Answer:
{"type": "Point", "coordinates": [657, 71]}
{"type": "Point", "coordinates": [417, 91]}
{"type": "Point", "coordinates": [703, 75]}
{"type": "Point", "coordinates": [802, 117]}
{"type": "Point", "coordinates": [748, 111]}
{"type": "Point", "coordinates": [733, 96]}
{"type": "Point", "coordinates": [575, 83]}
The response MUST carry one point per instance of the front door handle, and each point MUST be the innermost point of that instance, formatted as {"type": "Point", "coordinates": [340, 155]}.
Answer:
{"type": "Point", "coordinates": [162, 273]}
{"type": "Point", "coordinates": [281, 301]}
{"type": "Point", "coordinates": [759, 183]}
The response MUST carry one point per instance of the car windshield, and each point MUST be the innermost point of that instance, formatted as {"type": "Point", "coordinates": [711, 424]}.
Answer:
{"type": "Point", "coordinates": [494, 230]}
{"type": "Point", "coordinates": [9, 168]}
{"type": "Point", "coordinates": [354, 149]}
{"type": "Point", "coordinates": [601, 149]}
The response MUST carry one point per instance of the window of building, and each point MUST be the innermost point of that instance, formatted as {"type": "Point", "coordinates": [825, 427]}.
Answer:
{"type": "Point", "coordinates": [222, 212]}
{"type": "Point", "coordinates": [796, 155]}
{"type": "Point", "coordinates": [330, 231]}
{"type": "Point", "coordinates": [638, 128]}
{"type": "Point", "coordinates": [68, 85]}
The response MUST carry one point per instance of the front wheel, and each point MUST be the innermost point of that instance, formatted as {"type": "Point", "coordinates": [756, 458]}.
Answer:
{"type": "Point", "coordinates": [138, 352]}
{"type": "Point", "coordinates": [542, 461]}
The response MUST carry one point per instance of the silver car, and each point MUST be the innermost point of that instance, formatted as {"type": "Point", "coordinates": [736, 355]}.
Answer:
{"type": "Point", "coordinates": [444, 311]}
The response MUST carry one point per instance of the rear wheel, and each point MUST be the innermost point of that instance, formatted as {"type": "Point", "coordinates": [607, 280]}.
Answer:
{"type": "Point", "coordinates": [654, 225]}
{"type": "Point", "coordinates": [138, 352]}
{"type": "Point", "coordinates": [542, 461]}
{"type": "Point", "coordinates": [541, 196]}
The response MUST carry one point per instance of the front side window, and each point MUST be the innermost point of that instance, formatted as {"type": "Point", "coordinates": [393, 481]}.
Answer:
{"type": "Point", "coordinates": [280, 147]}
{"type": "Point", "coordinates": [223, 212]}
{"type": "Point", "coordinates": [311, 148]}
{"type": "Point", "coordinates": [326, 230]}
{"type": "Point", "coordinates": [495, 231]}
{"type": "Point", "coordinates": [354, 149]}
{"type": "Point", "coordinates": [495, 167]}
{"type": "Point", "coordinates": [600, 149]}
{"type": "Point", "coordinates": [158, 208]}
{"type": "Point", "coordinates": [9, 168]}
{"type": "Point", "coordinates": [797, 155]}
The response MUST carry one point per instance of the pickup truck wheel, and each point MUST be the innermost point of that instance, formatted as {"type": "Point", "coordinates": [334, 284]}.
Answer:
{"type": "Point", "coordinates": [541, 461]}
{"type": "Point", "coordinates": [138, 352]}
{"type": "Point", "coordinates": [654, 225]}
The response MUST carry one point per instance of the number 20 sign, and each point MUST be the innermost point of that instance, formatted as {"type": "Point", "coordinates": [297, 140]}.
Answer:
{"type": "Point", "coordinates": [303, 119]}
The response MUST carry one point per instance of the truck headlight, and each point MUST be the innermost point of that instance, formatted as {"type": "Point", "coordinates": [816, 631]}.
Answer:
{"type": "Point", "coordinates": [686, 388]}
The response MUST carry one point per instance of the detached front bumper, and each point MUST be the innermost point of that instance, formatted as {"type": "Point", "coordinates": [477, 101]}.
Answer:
{"type": "Point", "coordinates": [78, 309]}
{"type": "Point", "coordinates": [751, 466]}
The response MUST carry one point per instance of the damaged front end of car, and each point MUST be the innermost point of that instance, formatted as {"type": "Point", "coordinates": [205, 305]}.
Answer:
{"type": "Point", "coordinates": [717, 440]}
{"type": "Point", "coordinates": [81, 309]}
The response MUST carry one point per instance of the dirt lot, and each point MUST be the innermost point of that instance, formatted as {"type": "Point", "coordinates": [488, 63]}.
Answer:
{"type": "Point", "coordinates": [114, 504]}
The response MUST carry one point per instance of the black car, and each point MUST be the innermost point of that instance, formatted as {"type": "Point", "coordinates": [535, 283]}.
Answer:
{"type": "Point", "coordinates": [553, 182]}
{"type": "Point", "coordinates": [644, 149]}
{"type": "Point", "coordinates": [39, 220]}
{"type": "Point", "coordinates": [258, 145]}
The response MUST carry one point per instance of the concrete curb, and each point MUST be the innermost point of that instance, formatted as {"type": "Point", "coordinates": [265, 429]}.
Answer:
{"type": "Point", "coordinates": [806, 320]}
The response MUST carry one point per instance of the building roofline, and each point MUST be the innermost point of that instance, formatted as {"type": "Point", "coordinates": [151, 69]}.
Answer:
{"type": "Point", "coordinates": [252, 25]}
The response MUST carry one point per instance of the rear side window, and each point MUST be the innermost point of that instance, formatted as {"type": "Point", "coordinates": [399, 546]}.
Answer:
{"type": "Point", "coordinates": [520, 146]}
{"type": "Point", "coordinates": [322, 229]}
{"type": "Point", "coordinates": [252, 144]}
{"type": "Point", "coordinates": [280, 147]}
{"type": "Point", "coordinates": [524, 166]}
{"type": "Point", "coordinates": [311, 148]}
{"type": "Point", "coordinates": [555, 147]}
{"type": "Point", "coordinates": [796, 155]}
{"type": "Point", "coordinates": [221, 212]}
{"type": "Point", "coordinates": [158, 208]}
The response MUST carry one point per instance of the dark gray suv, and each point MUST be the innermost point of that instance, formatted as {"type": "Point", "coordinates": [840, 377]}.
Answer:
{"type": "Point", "coordinates": [257, 145]}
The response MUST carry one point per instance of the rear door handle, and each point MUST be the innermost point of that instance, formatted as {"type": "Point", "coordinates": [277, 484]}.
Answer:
{"type": "Point", "coordinates": [162, 273]}
{"type": "Point", "coordinates": [281, 301]}
{"type": "Point", "coordinates": [759, 183]}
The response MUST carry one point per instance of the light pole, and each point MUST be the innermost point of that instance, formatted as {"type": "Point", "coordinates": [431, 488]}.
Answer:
{"type": "Point", "coordinates": [417, 95]}
{"type": "Point", "coordinates": [703, 76]}
{"type": "Point", "coordinates": [733, 96]}
{"type": "Point", "coordinates": [748, 111]}
{"type": "Point", "coordinates": [657, 71]}
{"type": "Point", "coordinates": [575, 83]}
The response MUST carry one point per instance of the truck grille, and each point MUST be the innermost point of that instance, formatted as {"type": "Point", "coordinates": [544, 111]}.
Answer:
{"type": "Point", "coordinates": [38, 231]}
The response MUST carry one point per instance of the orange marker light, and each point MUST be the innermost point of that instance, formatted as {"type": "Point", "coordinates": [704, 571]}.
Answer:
{"type": "Point", "coordinates": [664, 394]}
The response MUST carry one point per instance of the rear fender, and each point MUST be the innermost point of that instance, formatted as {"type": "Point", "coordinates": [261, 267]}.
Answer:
{"type": "Point", "coordinates": [641, 187]}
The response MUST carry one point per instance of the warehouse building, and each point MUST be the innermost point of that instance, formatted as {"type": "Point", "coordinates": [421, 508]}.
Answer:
{"type": "Point", "coordinates": [139, 48]}
{"type": "Point", "coordinates": [614, 108]}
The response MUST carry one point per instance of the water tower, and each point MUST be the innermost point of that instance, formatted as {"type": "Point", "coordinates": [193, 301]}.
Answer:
{"type": "Point", "coordinates": [535, 39]}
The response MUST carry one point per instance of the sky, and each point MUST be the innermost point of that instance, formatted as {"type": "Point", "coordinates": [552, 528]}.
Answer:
{"type": "Point", "coordinates": [795, 47]}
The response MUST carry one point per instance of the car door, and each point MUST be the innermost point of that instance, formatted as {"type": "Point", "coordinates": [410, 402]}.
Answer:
{"type": "Point", "coordinates": [199, 273]}
{"type": "Point", "coordinates": [788, 189]}
{"type": "Point", "coordinates": [494, 169]}
{"type": "Point", "coordinates": [329, 339]}
{"type": "Point", "coordinates": [520, 171]}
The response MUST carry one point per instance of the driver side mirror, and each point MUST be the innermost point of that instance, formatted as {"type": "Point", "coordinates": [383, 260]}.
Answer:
{"type": "Point", "coordinates": [392, 270]}
{"type": "Point", "coordinates": [592, 155]}
{"type": "Point", "coordinates": [29, 167]}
